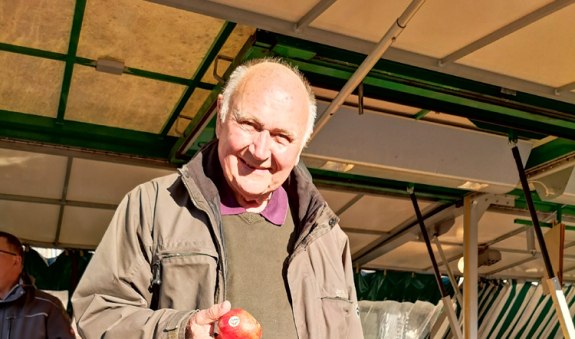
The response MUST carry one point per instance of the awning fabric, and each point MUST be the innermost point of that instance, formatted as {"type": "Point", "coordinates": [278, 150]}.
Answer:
{"type": "Point", "coordinates": [506, 308]}
{"type": "Point", "coordinates": [517, 309]}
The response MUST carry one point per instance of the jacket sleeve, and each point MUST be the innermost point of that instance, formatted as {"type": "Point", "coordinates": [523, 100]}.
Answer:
{"type": "Point", "coordinates": [112, 299]}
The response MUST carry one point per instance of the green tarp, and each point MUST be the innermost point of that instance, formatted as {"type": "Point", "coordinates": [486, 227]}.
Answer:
{"type": "Point", "coordinates": [399, 286]}
{"type": "Point", "coordinates": [62, 274]}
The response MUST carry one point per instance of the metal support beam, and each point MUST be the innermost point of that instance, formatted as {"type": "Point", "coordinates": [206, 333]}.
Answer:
{"type": "Point", "coordinates": [533, 212]}
{"type": "Point", "coordinates": [565, 88]}
{"type": "Point", "coordinates": [506, 236]}
{"type": "Point", "coordinates": [473, 209]}
{"type": "Point", "coordinates": [366, 66]}
{"type": "Point", "coordinates": [448, 269]}
{"type": "Point", "coordinates": [273, 24]}
{"type": "Point", "coordinates": [528, 19]}
{"type": "Point", "coordinates": [446, 299]}
{"type": "Point", "coordinates": [552, 281]}
{"type": "Point", "coordinates": [63, 199]}
{"type": "Point", "coordinates": [404, 233]}
{"type": "Point", "coordinates": [513, 264]}
{"type": "Point", "coordinates": [70, 58]}
{"type": "Point", "coordinates": [315, 12]}
{"type": "Point", "coordinates": [469, 275]}
{"type": "Point", "coordinates": [49, 201]}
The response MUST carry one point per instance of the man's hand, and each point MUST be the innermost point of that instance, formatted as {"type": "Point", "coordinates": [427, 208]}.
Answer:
{"type": "Point", "coordinates": [201, 323]}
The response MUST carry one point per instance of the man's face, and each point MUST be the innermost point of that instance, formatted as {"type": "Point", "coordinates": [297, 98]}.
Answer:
{"type": "Point", "coordinates": [262, 137]}
{"type": "Point", "coordinates": [10, 266]}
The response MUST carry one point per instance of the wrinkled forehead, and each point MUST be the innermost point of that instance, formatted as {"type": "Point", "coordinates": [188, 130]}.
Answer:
{"type": "Point", "coordinates": [273, 76]}
{"type": "Point", "coordinates": [271, 104]}
{"type": "Point", "coordinates": [274, 83]}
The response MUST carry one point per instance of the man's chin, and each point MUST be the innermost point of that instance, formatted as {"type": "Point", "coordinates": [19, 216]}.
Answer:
{"type": "Point", "coordinates": [255, 198]}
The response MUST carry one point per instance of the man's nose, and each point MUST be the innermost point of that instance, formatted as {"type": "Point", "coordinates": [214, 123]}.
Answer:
{"type": "Point", "coordinates": [260, 147]}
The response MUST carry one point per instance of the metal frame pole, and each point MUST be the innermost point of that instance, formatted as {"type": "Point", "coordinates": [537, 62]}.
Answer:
{"type": "Point", "coordinates": [445, 298]}
{"type": "Point", "coordinates": [366, 66]}
{"type": "Point", "coordinates": [449, 272]}
{"type": "Point", "coordinates": [552, 282]}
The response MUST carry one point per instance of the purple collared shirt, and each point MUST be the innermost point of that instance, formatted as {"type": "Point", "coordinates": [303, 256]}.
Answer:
{"type": "Point", "coordinates": [275, 211]}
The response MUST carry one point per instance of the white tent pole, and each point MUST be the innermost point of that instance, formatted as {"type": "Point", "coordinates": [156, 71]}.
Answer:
{"type": "Point", "coordinates": [449, 272]}
{"type": "Point", "coordinates": [561, 307]}
{"type": "Point", "coordinates": [471, 216]}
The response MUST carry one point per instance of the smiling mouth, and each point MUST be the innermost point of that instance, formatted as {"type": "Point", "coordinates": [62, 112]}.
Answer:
{"type": "Point", "coordinates": [254, 168]}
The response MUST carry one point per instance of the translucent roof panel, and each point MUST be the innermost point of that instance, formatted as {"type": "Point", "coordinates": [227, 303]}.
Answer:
{"type": "Point", "coordinates": [364, 19]}
{"type": "Point", "coordinates": [147, 36]}
{"type": "Point", "coordinates": [123, 101]}
{"type": "Point", "coordinates": [431, 34]}
{"type": "Point", "coordinates": [84, 227]}
{"type": "Point", "coordinates": [337, 200]}
{"type": "Point", "coordinates": [43, 25]}
{"type": "Point", "coordinates": [106, 182]}
{"type": "Point", "coordinates": [550, 62]}
{"type": "Point", "coordinates": [358, 241]}
{"type": "Point", "coordinates": [34, 86]}
{"type": "Point", "coordinates": [28, 174]}
{"type": "Point", "coordinates": [29, 221]}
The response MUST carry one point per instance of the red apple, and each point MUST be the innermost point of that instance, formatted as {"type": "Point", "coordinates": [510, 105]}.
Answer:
{"type": "Point", "coordinates": [239, 324]}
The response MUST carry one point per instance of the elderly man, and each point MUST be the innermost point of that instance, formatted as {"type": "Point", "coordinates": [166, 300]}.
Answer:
{"type": "Point", "coordinates": [26, 312]}
{"type": "Point", "coordinates": [241, 223]}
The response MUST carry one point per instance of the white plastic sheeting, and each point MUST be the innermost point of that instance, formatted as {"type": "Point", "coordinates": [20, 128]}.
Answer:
{"type": "Point", "coordinates": [397, 320]}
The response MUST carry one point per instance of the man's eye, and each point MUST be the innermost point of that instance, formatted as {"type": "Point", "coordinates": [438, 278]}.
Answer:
{"type": "Point", "coordinates": [247, 125]}
{"type": "Point", "coordinates": [282, 139]}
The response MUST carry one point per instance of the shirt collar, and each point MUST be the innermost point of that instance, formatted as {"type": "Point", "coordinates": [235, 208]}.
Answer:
{"type": "Point", "coordinates": [274, 212]}
{"type": "Point", "coordinates": [16, 292]}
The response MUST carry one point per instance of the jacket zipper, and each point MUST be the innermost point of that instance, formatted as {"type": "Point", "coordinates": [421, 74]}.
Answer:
{"type": "Point", "coordinates": [338, 299]}
{"type": "Point", "coordinates": [222, 254]}
{"type": "Point", "coordinates": [10, 324]}
{"type": "Point", "coordinates": [220, 246]}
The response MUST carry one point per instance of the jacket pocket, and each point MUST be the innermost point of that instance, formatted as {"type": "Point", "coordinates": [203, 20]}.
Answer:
{"type": "Point", "coordinates": [323, 312]}
{"type": "Point", "coordinates": [187, 278]}
{"type": "Point", "coordinates": [339, 312]}
{"type": "Point", "coordinates": [27, 326]}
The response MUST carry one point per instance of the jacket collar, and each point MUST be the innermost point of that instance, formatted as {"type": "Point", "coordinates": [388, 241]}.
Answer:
{"type": "Point", "coordinates": [15, 293]}
{"type": "Point", "coordinates": [304, 197]}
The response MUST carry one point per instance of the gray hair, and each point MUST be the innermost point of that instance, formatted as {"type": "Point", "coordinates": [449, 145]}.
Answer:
{"type": "Point", "coordinates": [239, 74]}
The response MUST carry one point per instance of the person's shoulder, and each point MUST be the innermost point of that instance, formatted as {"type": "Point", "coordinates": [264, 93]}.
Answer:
{"type": "Point", "coordinates": [157, 183]}
{"type": "Point", "coordinates": [167, 179]}
{"type": "Point", "coordinates": [44, 297]}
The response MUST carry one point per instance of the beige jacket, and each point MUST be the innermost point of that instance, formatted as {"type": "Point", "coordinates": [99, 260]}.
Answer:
{"type": "Point", "coordinates": [166, 238]}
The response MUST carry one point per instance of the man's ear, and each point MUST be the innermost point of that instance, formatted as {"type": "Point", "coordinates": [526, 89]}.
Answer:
{"type": "Point", "coordinates": [218, 117]}
{"type": "Point", "coordinates": [19, 260]}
